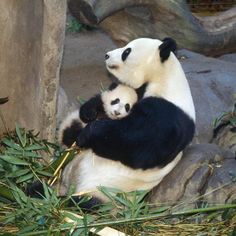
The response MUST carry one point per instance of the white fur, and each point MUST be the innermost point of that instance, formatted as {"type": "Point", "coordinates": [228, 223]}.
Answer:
{"type": "Point", "coordinates": [94, 171]}
{"type": "Point", "coordinates": [125, 94]}
{"type": "Point", "coordinates": [67, 123]}
{"type": "Point", "coordinates": [143, 65]}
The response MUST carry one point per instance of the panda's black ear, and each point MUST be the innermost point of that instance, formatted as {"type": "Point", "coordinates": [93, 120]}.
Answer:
{"type": "Point", "coordinates": [168, 45]}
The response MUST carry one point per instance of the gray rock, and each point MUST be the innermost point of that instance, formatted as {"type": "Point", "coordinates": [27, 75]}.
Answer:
{"type": "Point", "coordinates": [205, 170]}
{"type": "Point", "coordinates": [31, 47]}
{"type": "Point", "coordinates": [64, 106]}
{"type": "Point", "coordinates": [226, 138]}
{"type": "Point", "coordinates": [213, 84]}
{"type": "Point", "coordinates": [228, 57]}
{"type": "Point", "coordinates": [212, 80]}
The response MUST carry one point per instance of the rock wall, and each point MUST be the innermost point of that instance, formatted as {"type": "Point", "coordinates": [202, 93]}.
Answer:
{"type": "Point", "coordinates": [31, 45]}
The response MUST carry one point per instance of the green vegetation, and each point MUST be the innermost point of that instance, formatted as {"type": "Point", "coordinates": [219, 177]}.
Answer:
{"type": "Point", "coordinates": [22, 161]}
{"type": "Point", "coordinates": [74, 26]}
{"type": "Point", "coordinates": [227, 118]}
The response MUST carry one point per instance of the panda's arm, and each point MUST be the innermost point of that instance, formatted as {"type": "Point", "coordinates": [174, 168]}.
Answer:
{"type": "Point", "coordinates": [151, 135]}
{"type": "Point", "coordinates": [112, 139]}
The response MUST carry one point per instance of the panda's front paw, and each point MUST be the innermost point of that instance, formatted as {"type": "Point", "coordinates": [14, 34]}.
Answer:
{"type": "Point", "coordinates": [88, 114]}
{"type": "Point", "coordinates": [84, 137]}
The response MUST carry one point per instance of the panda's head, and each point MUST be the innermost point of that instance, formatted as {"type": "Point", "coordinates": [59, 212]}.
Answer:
{"type": "Point", "coordinates": [118, 102]}
{"type": "Point", "coordinates": [135, 63]}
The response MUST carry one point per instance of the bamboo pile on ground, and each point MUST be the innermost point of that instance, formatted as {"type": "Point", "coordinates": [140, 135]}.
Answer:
{"type": "Point", "coordinates": [22, 162]}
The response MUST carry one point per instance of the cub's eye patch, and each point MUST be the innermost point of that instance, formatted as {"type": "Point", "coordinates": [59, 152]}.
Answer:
{"type": "Point", "coordinates": [127, 107]}
{"type": "Point", "coordinates": [125, 54]}
{"type": "Point", "coordinates": [115, 101]}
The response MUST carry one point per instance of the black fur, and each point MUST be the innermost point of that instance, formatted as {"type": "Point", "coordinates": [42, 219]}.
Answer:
{"type": "Point", "coordinates": [93, 109]}
{"type": "Point", "coordinates": [141, 90]}
{"type": "Point", "coordinates": [90, 110]}
{"type": "Point", "coordinates": [113, 86]}
{"type": "Point", "coordinates": [36, 190]}
{"type": "Point", "coordinates": [125, 54]}
{"type": "Point", "coordinates": [168, 45]}
{"type": "Point", "coordinates": [87, 205]}
{"type": "Point", "coordinates": [151, 135]}
{"type": "Point", "coordinates": [71, 133]}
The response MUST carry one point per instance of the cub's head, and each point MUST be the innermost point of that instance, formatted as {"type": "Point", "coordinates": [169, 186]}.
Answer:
{"type": "Point", "coordinates": [135, 63]}
{"type": "Point", "coordinates": [118, 102]}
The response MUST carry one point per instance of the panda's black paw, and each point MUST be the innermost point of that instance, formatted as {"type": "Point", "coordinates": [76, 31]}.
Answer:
{"type": "Point", "coordinates": [88, 114]}
{"type": "Point", "coordinates": [83, 139]}
{"type": "Point", "coordinates": [35, 190]}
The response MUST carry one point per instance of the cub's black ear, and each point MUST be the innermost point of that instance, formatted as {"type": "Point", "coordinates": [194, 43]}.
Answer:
{"type": "Point", "coordinates": [168, 45]}
{"type": "Point", "coordinates": [112, 86]}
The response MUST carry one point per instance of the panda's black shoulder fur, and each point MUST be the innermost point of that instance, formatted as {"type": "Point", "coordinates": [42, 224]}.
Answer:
{"type": "Point", "coordinates": [152, 135]}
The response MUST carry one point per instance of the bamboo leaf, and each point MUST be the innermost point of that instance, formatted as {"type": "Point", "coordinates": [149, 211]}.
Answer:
{"type": "Point", "coordinates": [21, 137]}
{"type": "Point", "coordinates": [46, 191]}
{"type": "Point", "coordinates": [18, 173]}
{"type": "Point", "coordinates": [11, 144]}
{"type": "Point", "coordinates": [24, 178]}
{"type": "Point", "coordinates": [53, 166]}
{"type": "Point", "coordinates": [34, 147]}
{"type": "Point", "coordinates": [11, 151]}
{"type": "Point", "coordinates": [44, 173]}
{"type": "Point", "coordinates": [13, 160]}
{"type": "Point", "coordinates": [27, 229]}
{"type": "Point", "coordinates": [32, 154]}
{"type": "Point", "coordinates": [6, 193]}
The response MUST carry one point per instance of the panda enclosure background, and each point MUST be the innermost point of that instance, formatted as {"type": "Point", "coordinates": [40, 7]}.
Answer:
{"type": "Point", "coordinates": [30, 65]}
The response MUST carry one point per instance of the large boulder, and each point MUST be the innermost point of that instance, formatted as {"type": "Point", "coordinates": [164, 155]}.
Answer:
{"type": "Point", "coordinates": [213, 84]}
{"type": "Point", "coordinates": [31, 45]}
{"type": "Point", "coordinates": [203, 175]}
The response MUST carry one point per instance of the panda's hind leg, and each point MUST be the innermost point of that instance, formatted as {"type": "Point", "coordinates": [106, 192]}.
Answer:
{"type": "Point", "coordinates": [86, 204]}
{"type": "Point", "coordinates": [36, 190]}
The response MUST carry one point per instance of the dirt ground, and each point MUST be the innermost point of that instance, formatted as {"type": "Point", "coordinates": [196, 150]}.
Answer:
{"type": "Point", "coordinates": [83, 68]}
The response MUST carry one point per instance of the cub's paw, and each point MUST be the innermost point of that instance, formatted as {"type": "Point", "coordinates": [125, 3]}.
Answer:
{"type": "Point", "coordinates": [88, 114]}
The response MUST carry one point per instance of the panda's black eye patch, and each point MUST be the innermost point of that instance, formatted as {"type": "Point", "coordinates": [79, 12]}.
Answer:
{"type": "Point", "coordinates": [127, 107]}
{"type": "Point", "coordinates": [115, 101]}
{"type": "Point", "coordinates": [125, 54]}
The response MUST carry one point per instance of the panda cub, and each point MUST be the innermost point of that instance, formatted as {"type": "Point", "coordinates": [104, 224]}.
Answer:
{"type": "Point", "coordinates": [114, 103]}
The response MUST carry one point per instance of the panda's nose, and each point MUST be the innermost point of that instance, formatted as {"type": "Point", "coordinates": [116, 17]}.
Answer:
{"type": "Point", "coordinates": [117, 113]}
{"type": "Point", "coordinates": [107, 56]}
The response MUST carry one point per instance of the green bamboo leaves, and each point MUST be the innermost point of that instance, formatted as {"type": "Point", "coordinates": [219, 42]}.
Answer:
{"type": "Point", "coordinates": [22, 157]}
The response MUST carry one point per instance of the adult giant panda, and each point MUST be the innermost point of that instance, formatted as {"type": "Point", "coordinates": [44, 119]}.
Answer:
{"type": "Point", "coordinates": [136, 152]}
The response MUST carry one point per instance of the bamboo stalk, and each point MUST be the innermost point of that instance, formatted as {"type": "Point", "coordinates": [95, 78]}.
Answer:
{"type": "Point", "coordinates": [106, 231]}
{"type": "Point", "coordinates": [58, 168]}
{"type": "Point", "coordinates": [145, 218]}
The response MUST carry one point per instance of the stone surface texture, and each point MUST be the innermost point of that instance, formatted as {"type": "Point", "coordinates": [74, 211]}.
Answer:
{"type": "Point", "coordinates": [205, 170]}
{"type": "Point", "coordinates": [31, 43]}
